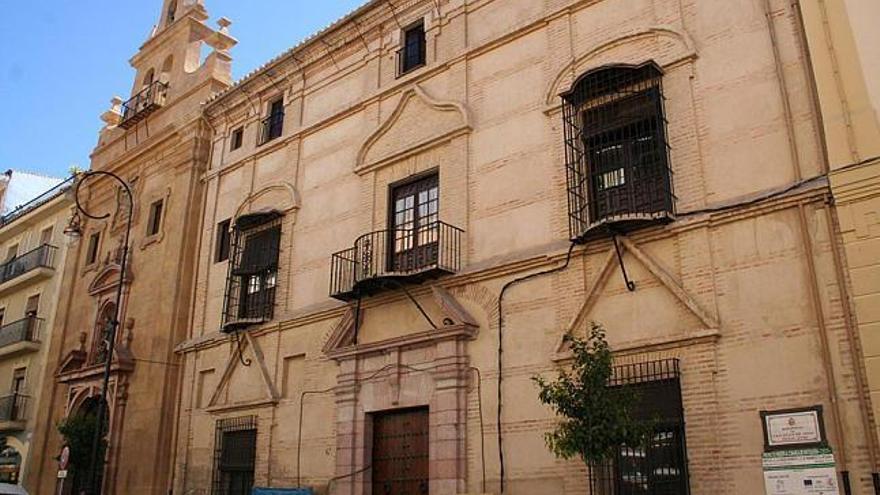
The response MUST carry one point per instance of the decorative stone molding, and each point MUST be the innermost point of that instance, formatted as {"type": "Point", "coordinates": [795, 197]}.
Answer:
{"type": "Point", "coordinates": [447, 119]}
{"type": "Point", "coordinates": [673, 285]}
{"type": "Point", "coordinates": [282, 196]}
{"type": "Point", "coordinates": [673, 45]}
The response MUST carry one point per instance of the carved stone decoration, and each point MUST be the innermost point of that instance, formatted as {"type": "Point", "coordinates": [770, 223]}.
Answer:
{"type": "Point", "coordinates": [708, 322]}
{"type": "Point", "coordinates": [123, 206]}
{"type": "Point", "coordinates": [412, 370]}
{"type": "Point", "coordinates": [422, 120]}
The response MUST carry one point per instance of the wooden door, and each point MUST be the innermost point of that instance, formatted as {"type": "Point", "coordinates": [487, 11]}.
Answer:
{"type": "Point", "coordinates": [400, 453]}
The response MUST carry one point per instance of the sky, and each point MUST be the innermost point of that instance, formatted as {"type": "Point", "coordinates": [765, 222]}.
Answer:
{"type": "Point", "coordinates": [61, 61]}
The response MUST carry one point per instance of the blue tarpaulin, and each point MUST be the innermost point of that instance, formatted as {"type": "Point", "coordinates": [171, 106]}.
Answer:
{"type": "Point", "coordinates": [282, 491]}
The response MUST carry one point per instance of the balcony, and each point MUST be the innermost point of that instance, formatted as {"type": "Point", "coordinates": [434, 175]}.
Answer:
{"type": "Point", "coordinates": [387, 259]}
{"type": "Point", "coordinates": [13, 411]}
{"type": "Point", "coordinates": [21, 336]}
{"type": "Point", "coordinates": [141, 105]}
{"type": "Point", "coordinates": [35, 264]}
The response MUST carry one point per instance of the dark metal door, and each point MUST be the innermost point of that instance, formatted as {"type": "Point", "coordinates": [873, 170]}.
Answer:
{"type": "Point", "coordinates": [400, 453]}
{"type": "Point", "coordinates": [414, 225]}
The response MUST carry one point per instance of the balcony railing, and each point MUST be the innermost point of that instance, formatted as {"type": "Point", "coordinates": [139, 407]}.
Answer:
{"type": "Point", "coordinates": [143, 104]}
{"type": "Point", "coordinates": [13, 407]}
{"type": "Point", "coordinates": [381, 259]}
{"type": "Point", "coordinates": [26, 330]}
{"type": "Point", "coordinates": [41, 257]}
{"type": "Point", "coordinates": [271, 128]}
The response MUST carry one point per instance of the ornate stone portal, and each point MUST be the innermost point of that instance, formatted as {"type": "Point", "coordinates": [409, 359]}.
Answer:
{"type": "Point", "coordinates": [422, 369]}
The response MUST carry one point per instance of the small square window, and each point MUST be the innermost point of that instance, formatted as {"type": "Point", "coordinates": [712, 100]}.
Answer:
{"type": "Point", "coordinates": [237, 138]}
{"type": "Point", "coordinates": [221, 246]}
{"type": "Point", "coordinates": [155, 220]}
{"type": "Point", "coordinates": [412, 53]}
{"type": "Point", "coordinates": [92, 253]}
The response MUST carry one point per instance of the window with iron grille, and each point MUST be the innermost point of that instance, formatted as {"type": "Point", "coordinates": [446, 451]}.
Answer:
{"type": "Point", "coordinates": [235, 449]}
{"type": "Point", "coordinates": [273, 125]}
{"type": "Point", "coordinates": [660, 465]}
{"type": "Point", "coordinates": [413, 52]}
{"type": "Point", "coordinates": [253, 270]}
{"type": "Point", "coordinates": [616, 150]}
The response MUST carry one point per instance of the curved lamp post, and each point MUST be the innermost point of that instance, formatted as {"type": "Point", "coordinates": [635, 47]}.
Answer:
{"type": "Point", "coordinates": [74, 229]}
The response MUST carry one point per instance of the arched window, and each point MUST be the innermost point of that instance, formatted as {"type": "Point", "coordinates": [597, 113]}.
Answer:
{"type": "Point", "coordinates": [101, 333]}
{"type": "Point", "coordinates": [165, 75]}
{"type": "Point", "coordinates": [616, 151]}
{"type": "Point", "coordinates": [149, 77]}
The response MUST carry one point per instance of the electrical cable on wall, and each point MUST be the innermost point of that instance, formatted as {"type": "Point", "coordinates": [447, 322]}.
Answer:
{"type": "Point", "coordinates": [504, 289]}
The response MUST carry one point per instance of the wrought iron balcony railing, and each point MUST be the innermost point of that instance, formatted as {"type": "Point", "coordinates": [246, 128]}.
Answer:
{"type": "Point", "coordinates": [381, 259]}
{"type": "Point", "coordinates": [143, 104]}
{"type": "Point", "coordinates": [41, 257]}
{"type": "Point", "coordinates": [271, 128]}
{"type": "Point", "coordinates": [25, 330]}
{"type": "Point", "coordinates": [13, 407]}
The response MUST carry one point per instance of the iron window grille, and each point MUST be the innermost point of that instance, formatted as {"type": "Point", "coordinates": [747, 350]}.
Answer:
{"type": "Point", "coordinates": [273, 125]}
{"type": "Point", "coordinates": [253, 271]}
{"type": "Point", "coordinates": [413, 53]}
{"type": "Point", "coordinates": [235, 449]}
{"type": "Point", "coordinates": [659, 467]}
{"type": "Point", "coordinates": [616, 151]}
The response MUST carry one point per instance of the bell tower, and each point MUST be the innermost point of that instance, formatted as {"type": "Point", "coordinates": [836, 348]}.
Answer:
{"type": "Point", "coordinates": [169, 65]}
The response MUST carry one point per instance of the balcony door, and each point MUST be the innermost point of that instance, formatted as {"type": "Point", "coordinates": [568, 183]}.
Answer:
{"type": "Point", "coordinates": [414, 229]}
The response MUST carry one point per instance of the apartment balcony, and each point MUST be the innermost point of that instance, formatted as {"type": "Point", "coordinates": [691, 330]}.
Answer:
{"type": "Point", "coordinates": [34, 265]}
{"type": "Point", "coordinates": [387, 259]}
{"type": "Point", "coordinates": [141, 105]}
{"type": "Point", "coordinates": [13, 412]}
{"type": "Point", "coordinates": [22, 336]}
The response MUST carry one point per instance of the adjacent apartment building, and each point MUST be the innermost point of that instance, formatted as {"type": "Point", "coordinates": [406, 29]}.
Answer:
{"type": "Point", "coordinates": [406, 213]}
{"type": "Point", "coordinates": [34, 213]}
{"type": "Point", "coordinates": [158, 143]}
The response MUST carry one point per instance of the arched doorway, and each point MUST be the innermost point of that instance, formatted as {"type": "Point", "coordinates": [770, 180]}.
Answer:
{"type": "Point", "coordinates": [78, 432]}
{"type": "Point", "coordinates": [10, 463]}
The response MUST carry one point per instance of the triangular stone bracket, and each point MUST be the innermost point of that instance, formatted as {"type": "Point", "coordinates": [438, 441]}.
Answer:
{"type": "Point", "coordinates": [233, 361]}
{"type": "Point", "coordinates": [451, 310]}
{"type": "Point", "coordinates": [670, 282]}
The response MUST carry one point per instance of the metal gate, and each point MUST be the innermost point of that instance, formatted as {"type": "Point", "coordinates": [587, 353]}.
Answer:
{"type": "Point", "coordinates": [400, 452]}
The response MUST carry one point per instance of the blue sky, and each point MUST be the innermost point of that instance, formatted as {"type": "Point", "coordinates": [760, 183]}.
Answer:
{"type": "Point", "coordinates": [62, 60]}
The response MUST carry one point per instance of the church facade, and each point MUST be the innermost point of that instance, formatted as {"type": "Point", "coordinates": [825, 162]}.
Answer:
{"type": "Point", "coordinates": [157, 142]}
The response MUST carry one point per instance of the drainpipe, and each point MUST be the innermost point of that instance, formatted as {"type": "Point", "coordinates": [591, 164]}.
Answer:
{"type": "Point", "coordinates": [855, 347]}
{"type": "Point", "coordinates": [824, 345]}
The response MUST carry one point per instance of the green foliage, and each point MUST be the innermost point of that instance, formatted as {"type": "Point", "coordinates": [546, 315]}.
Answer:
{"type": "Point", "coordinates": [79, 431]}
{"type": "Point", "coordinates": [596, 418]}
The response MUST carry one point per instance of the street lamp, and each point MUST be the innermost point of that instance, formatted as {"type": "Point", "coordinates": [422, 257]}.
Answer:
{"type": "Point", "coordinates": [74, 229]}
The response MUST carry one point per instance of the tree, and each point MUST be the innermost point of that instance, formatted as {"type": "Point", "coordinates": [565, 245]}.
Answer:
{"type": "Point", "coordinates": [596, 418]}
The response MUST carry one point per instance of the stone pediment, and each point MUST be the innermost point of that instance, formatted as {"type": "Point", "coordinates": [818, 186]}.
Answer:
{"type": "Point", "coordinates": [661, 309]}
{"type": "Point", "coordinates": [419, 122]}
{"type": "Point", "coordinates": [107, 279]}
{"type": "Point", "coordinates": [456, 322]}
